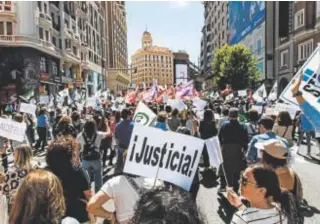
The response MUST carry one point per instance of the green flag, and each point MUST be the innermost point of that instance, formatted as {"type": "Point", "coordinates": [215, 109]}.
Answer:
{"type": "Point", "coordinates": [29, 94]}
{"type": "Point", "coordinates": [243, 117]}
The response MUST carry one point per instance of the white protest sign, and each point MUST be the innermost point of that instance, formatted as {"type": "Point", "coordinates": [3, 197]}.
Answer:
{"type": "Point", "coordinates": [12, 130]}
{"type": "Point", "coordinates": [199, 103]}
{"type": "Point", "coordinates": [214, 151]}
{"type": "Point", "coordinates": [44, 99]}
{"type": "Point", "coordinates": [257, 108]}
{"type": "Point", "coordinates": [317, 133]}
{"type": "Point", "coordinates": [309, 86]}
{"type": "Point", "coordinates": [270, 111]}
{"type": "Point", "coordinates": [28, 108]}
{"type": "Point", "coordinates": [119, 104]}
{"type": "Point", "coordinates": [91, 101]}
{"type": "Point", "coordinates": [242, 93]}
{"type": "Point", "coordinates": [260, 93]}
{"type": "Point", "coordinates": [164, 155]}
{"type": "Point", "coordinates": [292, 109]}
{"type": "Point", "coordinates": [177, 104]}
{"type": "Point", "coordinates": [274, 91]}
{"type": "Point", "coordinates": [144, 115]}
{"type": "Point", "coordinates": [229, 97]}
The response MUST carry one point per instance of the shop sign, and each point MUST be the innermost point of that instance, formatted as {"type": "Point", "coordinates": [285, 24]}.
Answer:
{"type": "Point", "coordinates": [44, 76]}
{"type": "Point", "coordinates": [66, 80]}
{"type": "Point", "coordinates": [57, 79]}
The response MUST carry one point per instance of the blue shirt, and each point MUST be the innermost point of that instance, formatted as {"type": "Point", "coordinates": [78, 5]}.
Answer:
{"type": "Point", "coordinates": [252, 154]}
{"type": "Point", "coordinates": [311, 113]}
{"type": "Point", "coordinates": [42, 120]}
{"type": "Point", "coordinates": [162, 126]}
{"type": "Point", "coordinates": [123, 133]}
{"type": "Point", "coordinates": [306, 126]}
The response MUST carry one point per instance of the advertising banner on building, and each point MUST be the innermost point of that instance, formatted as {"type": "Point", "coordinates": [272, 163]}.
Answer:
{"type": "Point", "coordinates": [181, 73]}
{"type": "Point", "coordinates": [164, 155]}
{"type": "Point", "coordinates": [244, 16]}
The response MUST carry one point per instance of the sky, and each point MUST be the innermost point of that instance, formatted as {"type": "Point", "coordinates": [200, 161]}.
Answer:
{"type": "Point", "coordinates": [173, 24]}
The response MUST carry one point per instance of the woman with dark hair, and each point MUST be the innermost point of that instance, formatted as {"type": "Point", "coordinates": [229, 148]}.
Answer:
{"type": "Point", "coordinates": [63, 159]}
{"type": "Point", "coordinates": [174, 120]}
{"type": "Point", "coordinates": [65, 127]}
{"type": "Point", "coordinates": [252, 124]}
{"type": "Point", "coordinates": [76, 121]}
{"type": "Point", "coordinates": [42, 126]}
{"type": "Point", "coordinates": [40, 200]}
{"type": "Point", "coordinates": [269, 204]}
{"type": "Point", "coordinates": [90, 141]}
{"type": "Point", "coordinates": [161, 205]}
{"type": "Point", "coordinates": [117, 117]}
{"type": "Point", "coordinates": [207, 130]}
{"type": "Point", "coordinates": [284, 126]}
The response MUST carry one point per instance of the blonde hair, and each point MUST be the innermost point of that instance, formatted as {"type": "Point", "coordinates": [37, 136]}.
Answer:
{"type": "Point", "coordinates": [22, 157]}
{"type": "Point", "coordinates": [39, 199]}
{"type": "Point", "coordinates": [65, 120]}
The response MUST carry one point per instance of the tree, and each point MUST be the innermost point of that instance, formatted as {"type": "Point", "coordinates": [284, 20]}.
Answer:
{"type": "Point", "coordinates": [234, 65]}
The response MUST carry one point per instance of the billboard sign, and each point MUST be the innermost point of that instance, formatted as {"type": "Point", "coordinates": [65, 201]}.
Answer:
{"type": "Point", "coordinates": [244, 16]}
{"type": "Point", "coordinates": [181, 73]}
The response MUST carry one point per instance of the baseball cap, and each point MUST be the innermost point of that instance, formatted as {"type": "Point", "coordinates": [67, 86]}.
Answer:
{"type": "Point", "coordinates": [274, 147]}
{"type": "Point", "coordinates": [233, 112]}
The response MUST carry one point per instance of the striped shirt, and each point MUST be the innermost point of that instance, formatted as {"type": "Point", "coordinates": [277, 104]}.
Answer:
{"type": "Point", "coordinates": [259, 216]}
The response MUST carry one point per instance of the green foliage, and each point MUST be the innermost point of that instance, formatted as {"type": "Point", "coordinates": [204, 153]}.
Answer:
{"type": "Point", "coordinates": [234, 65]}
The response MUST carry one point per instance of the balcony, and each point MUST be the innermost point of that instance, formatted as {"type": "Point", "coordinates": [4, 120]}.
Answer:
{"type": "Point", "coordinates": [71, 57]}
{"type": "Point", "coordinates": [27, 41]}
{"type": "Point", "coordinates": [85, 65]}
{"type": "Point", "coordinates": [45, 20]}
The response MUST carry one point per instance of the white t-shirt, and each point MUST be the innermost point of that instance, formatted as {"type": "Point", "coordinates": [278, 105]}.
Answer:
{"type": "Point", "coordinates": [100, 136]}
{"type": "Point", "coordinates": [124, 195]}
{"type": "Point", "coordinates": [261, 216]}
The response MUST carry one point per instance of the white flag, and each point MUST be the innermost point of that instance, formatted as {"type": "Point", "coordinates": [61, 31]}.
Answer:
{"type": "Point", "coordinates": [260, 93]}
{"type": "Point", "coordinates": [274, 91]}
{"type": "Point", "coordinates": [229, 97]}
{"type": "Point", "coordinates": [214, 151]}
{"type": "Point", "coordinates": [199, 103]}
{"type": "Point", "coordinates": [144, 115]}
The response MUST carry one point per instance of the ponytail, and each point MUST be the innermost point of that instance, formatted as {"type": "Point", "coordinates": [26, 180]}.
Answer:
{"type": "Point", "coordinates": [289, 206]}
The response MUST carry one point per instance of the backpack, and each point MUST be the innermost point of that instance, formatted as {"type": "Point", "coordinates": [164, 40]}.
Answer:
{"type": "Point", "coordinates": [90, 151]}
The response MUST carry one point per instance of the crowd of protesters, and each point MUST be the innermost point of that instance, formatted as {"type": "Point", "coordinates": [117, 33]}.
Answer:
{"type": "Point", "coordinates": [77, 144]}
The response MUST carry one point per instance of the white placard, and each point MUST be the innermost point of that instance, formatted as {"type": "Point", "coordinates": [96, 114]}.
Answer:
{"type": "Point", "coordinates": [165, 155]}
{"type": "Point", "coordinates": [257, 108]}
{"type": "Point", "coordinates": [270, 111]}
{"type": "Point", "coordinates": [229, 97]}
{"type": "Point", "coordinates": [91, 101]}
{"type": "Point", "coordinates": [309, 85]}
{"type": "Point", "coordinates": [242, 93]}
{"type": "Point", "coordinates": [119, 104]}
{"type": "Point", "coordinates": [44, 99]}
{"type": "Point", "coordinates": [144, 115]}
{"type": "Point", "coordinates": [273, 93]}
{"type": "Point", "coordinates": [199, 103]}
{"type": "Point", "coordinates": [317, 133]}
{"type": "Point", "coordinates": [177, 104]}
{"type": "Point", "coordinates": [214, 151]}
{"type": "Point", "coordinates": [260, 93]}
{"type": "Point", "coordinates": [28, 108]}
{"type": "Point", "coordinates": [12, 130]}
{"type": "Point", "coordinates": [292, 109]}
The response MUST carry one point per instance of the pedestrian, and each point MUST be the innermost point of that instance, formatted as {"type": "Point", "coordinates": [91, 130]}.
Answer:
{"type": "Point", "coordinates": [307, 129]}
{"type": "Point", "coordinates": [65, 127]}
{"type": "Point", "coordinates": [174, 206]}
{"type": "Point", "coordinates": [42, 126]}
{"type": "Point", "coordinates": [224, 117]}
{"type": "Point", "coordinates": [90, 141]}
{"type": "Point", "coordinates": [174, 120]}
{"type": "Point", "coordinates": [40, 200]}
{"type": "Point", "coordinates": [162, 121]}
{"type": "Point", "coordinates": [233, 138]}
{"type": "Point", "coordinates": [269, 203]}
{"type": "Point", "coordinates": [252, 123]}
{"type": "Point", "coordinates": [189, 122]}
{"type": "Point", "coordinates": [63, 159]}
{"type": "Point", "coordinates": [76, 122]}
{"type": "Point", "coordinates": [207, 130]}
{"type": "Point", "coordinates": [265, 125]}
{"type": "Point", "coordinates": [123, 134]}
{"type": "Point", "coordinates": [283, 126]}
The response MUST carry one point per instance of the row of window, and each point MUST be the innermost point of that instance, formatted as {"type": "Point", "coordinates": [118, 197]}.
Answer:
{"type": "Point", "coordinates": [305, 49]}
{"type": "Point", "coordinates": [6, 6]}
{"type": "Point", "coordinates": [44, 66]}
{"type": "Point", "coordinates": [6, 28]}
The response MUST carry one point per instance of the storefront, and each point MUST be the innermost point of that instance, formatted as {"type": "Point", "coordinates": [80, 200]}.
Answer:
{"type": "Point", "coordinates": [47, 86]}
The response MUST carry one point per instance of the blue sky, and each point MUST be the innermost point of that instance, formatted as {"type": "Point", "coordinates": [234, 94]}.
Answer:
{"type": "Point", "coordinates": [173, 24]}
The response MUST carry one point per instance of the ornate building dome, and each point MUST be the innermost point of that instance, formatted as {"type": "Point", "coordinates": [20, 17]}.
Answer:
{"type": "Point", "coordinates": [146, 40]}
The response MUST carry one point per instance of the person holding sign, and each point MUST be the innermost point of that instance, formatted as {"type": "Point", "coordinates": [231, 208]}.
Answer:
{"type": "Point", "coordinates": [42, 129]}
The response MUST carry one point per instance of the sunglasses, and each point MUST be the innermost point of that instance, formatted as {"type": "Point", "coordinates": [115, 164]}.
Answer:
{"type": "Point", "coordinates": [244, 181]}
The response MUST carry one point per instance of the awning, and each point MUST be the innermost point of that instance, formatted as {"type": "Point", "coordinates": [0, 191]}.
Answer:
{"type": "Point", "coordinates": [50, 83]}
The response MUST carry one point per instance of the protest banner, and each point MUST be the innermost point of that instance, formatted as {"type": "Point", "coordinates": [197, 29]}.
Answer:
{"type": "Point", "coordinates": [309, 85]}
{"type": "Point", "coordinates": [257, 108]}
{"type": "Point", "coordinates": [44, 99]}
{"type": "Point", "coordinates": [292, 109]}
{"type": "Point", "coordinates": [273, 93]}
{"type": "Point", "coordinates": [28, 108]}
{"type": "Point", "coordinates": [260, 93]}
{"type": "Point", "coordinates": [144, 115]}
{"type": "Point", "coordinates": [12, 130]}
{"type": "Point", "coordinates": [214, 151]}
{"type": "Point", "coordinates": [119, 104]}
{"type": "Point", "coordinates": [177, 104]}
{"type": "Point", "coordinates": [163, 155]}
{"type": "Point", "coordinates": [199, 103]}
{"type": "Point", "coordinates": [242, 93]}
{"type": "Point", "coordinates": [229, 97]}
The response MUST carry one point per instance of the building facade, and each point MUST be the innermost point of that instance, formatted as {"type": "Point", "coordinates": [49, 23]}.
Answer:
{"type": "Point", "coordinates": [116, 28]}
{"type": "Point", "coordinates": [60, 44]}
{"type": "Point", "coordinates": [297, 36]}
{"type": "Point", "coordinates": [214, 35]}
{"type": "Point", "coordinates": [152, 62]}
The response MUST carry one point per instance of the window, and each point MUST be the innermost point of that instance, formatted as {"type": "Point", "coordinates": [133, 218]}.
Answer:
{"type": "Point", "coordinates": [39, 6]}
{"type": "Point", "coordinates": [305, 49]}
{"type": "Point", "coordinates": [47, 35]}
{"type": "Point", "coordinates": [299, 19]}
{"type": "Point", "coordinates": [45, 7]}
{"type": "Point", "coordinates": [54, 41]}
{"type": "Point", "coordinates": [259, 46]}
{"type": "Point", "coordinates": [1, 28]}
{"type": "Point", "coordinates": [43, 64]}
{"type": "Point", "coordinates": [41, 33]}
{"type": "Point", "coordinates": [54, 68]}
{"type": "Point", "coordinates": [284, 58]}
{"type": "Point", "coordinates": [7, 5]}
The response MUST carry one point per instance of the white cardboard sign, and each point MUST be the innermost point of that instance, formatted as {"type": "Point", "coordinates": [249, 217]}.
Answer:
{"type": "Point", "coordinates": [144, 115]}
{"type": "Point", "coordinates": [258, 108]}
{"type": "Point", "coordinates": [28, 108]}
{"type": "Point", "coordinates": [242, 93]}
{"type": "Point", "coordinates": [44, 99]}
{"type": "Point", "coordinates": [199, 103]}
{"type": "Point", "coordinates": [12, 130]}
{"type": "Point", "coordinates": [164, 155]}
